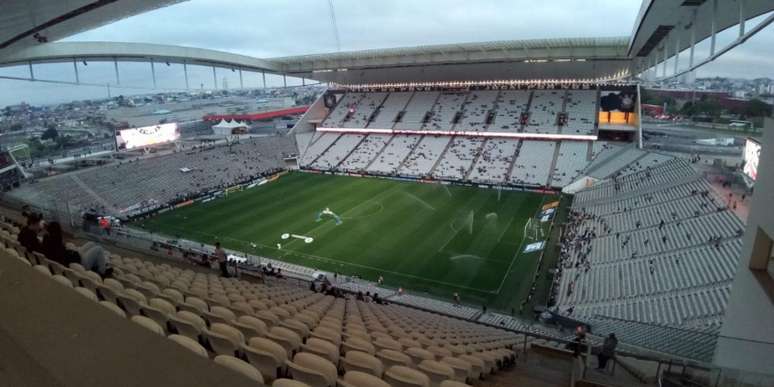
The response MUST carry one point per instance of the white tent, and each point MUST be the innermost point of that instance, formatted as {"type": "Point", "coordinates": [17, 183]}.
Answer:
{"type": "Point", "coordinates": [225, 128]}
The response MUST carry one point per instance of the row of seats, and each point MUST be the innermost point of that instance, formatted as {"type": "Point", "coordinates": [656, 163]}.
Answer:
{"type": "Point", "coordinates": [433, 110]}
{"type": "Point", "coordinates": [478, 159]}
{"type": "Point", "coordinates": [158, 180]}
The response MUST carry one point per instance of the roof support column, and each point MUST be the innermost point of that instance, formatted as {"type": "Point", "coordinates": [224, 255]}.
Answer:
{"type": "Point", "coordinates": [75, 69]}
{"type": "Point", "coordinates": [214, 78]}
{"type": "Point", "coordinates": [241, 81]}
{"type": "Point", "coordinates": [284, 80]}
{"type": "Point", "coordinates": [153, 72]}
{"type": "Point", "coordinates": [32, 73]}
{"type": "Point", "coordinates": [115, 66]}
{"type": "Point", "coordinates": [693, 42]}
{"type": "Point", "coordinates": [263, 75]}
{"type": "Point", "coordinates": [714, 27]}
{"type": "Point", "coordinates": [303, 81]}
{"type": "Point", "coordinates": [741, 18]}
{"type": "Point", "coordinates": [666, 55]}
{"type": "Point", "coordinates": [185, 74]}
{"type": "Point", "coordinates": [677, 52]}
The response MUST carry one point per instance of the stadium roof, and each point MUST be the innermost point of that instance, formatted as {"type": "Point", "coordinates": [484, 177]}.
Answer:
{"type": "Point", "coordinates": [558, 58]}
{"type": "Point", "coordinates": [24, 23]}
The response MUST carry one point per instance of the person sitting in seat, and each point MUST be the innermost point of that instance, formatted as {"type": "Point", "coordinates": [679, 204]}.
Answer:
{"type": "Point", "coordinates": [28, 236]}
{"type": "Point", "coordinates": [90, 255]}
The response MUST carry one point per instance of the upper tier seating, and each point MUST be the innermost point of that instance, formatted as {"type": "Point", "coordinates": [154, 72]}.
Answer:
{"type": "Point", "coordinates": [388, 112]}
{"type": "Point", "coordinates": [510, 105]}
{"type": "Point", "coordinates": [475, 110]}
{"type": "Point", "coordinates": [417, 109]}
{"type": "Point", "coordinates": [393, 154]}
{"type": "Point", "coordinates": [544, 110]}
{"type": "Point", "coordinates": [338, 151]}
{"type": "Point", "coordinates": [581, 108]}
{"type": "Point", "coordinates": [421, 161]}
{"type": "Point", "coordinates": [444, 110]}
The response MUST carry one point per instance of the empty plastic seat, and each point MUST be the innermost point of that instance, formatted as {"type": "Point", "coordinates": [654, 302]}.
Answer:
{"type": "Point", "coordinates": [251, 326]}
{"type": "Point", "coordinates": [436, 371]}
{"type": "Point", "coordinates": [286, 338]}
{"type": "Point", "coordinates": [453, 383]}
{"type": "Point", "coordinates": [288, 383]}
{"type": "Point", "coordinates": [463, 370]}
{"type": "Point", "coordinates": [391, 358]}
{"type": "Point", "coordinates": [87, 293]}
{"type": "Point", "coordinates": [131, 301]}
{"type": "Point", "coordinates": [322, 348]}
{"type": "Point", "coordinates": [187, 324]}
{"type": "Point", "coordinates": [189, 344]}
{"type": "Point", "coordinates": [219, 314]}
{"type": "Point", "coordinates": [42, 269]}
{"type": "Point", "coordinates": [313, 370]}
{"type": "Point", "coordinates": [399, 376]}
{"type": "Point", "coordinates": [357, 344]}
{"type": "Point", "coordinates": [240, 366]}
{"type": "Point", "coordinates": [477, 366]}
{"type": "Point", "coordinates": [62, 280]}
{"type": "Point", "coordinates": [148, 324]}
{"type": "Point", "coordinates": [361, 379]}
{"type": "Point", "coordinates": [224, 339]}
{"type": "Point", "coordinates": [113, 308]}
{"type": "Point", "coordinates": [363, 362]}
{"type": "Point", "coordinates": [419, 354]}
{"type": "Point", "coordinates": [267, 356]}
{"type": "Point", "coordinates": [194, 304]}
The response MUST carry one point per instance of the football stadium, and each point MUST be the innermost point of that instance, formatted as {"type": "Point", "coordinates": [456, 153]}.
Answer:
{"type": "Point", "coordinates": [495, 213]}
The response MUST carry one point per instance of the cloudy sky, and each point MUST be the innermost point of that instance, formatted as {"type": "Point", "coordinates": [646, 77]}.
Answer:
{"type": "Point", "coordinates": [270, 28]}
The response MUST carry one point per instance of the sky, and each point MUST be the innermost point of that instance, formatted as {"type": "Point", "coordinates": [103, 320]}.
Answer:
{"type": "Point", "coordinates": [271, 28]}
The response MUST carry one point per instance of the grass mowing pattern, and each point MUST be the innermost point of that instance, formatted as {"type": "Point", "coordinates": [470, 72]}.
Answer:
{"type": "Point", "coordinates": [424, 237]}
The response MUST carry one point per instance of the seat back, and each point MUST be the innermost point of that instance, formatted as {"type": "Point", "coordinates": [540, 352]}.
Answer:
{"type": "Point", "coordinates": [189, 344]}
{"type": "Point", "coordinates": [363, 362]}
{"type": "Point", "coordinates": [240, 366]}
{"type": "Point", "coordinates": [266, 355]}
{"type": "Point", "coordinates": [313, 370]}
{"type": "Point", "coordinates": [437, 371]}
{"type": "Point", "coordinates": [361, 379]}
{"type": "Point", "coordinates": [148, 324]}
{"type": "Point", "coordinates": [399, 376]}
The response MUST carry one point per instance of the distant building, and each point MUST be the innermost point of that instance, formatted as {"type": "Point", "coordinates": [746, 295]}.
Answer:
{"type": "Point", "coordinates": [275, 102]}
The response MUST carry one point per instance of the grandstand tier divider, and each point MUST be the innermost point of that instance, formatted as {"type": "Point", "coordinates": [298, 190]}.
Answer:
{"type": "Point", "coordinates": [350, 152]}
{"type": "Point", "coordinates": [379, 153]}
{"type": "Point", "coordinates": [507, 177]}
{"type": "Point", "coordinates": [325, 150]}
{"type": "Point", "coordinates": [408, 155]}
{"type": "Point", "coordinates": [438, 161]}
{"type": "Point", "coordinates": [553, 163]}
{"type": "Point", "coordinates": [479, 152]}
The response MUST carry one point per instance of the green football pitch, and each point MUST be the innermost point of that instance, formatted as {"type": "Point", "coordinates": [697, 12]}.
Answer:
{"type": "Point", "coordinates": [429, 238]}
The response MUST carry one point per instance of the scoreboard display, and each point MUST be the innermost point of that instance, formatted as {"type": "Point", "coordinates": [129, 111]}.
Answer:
{"type": "Point", "coordinates": [133, 138]}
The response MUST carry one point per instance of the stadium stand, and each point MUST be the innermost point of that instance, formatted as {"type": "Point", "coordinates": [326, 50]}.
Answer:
{"type": "Point", "coordinates": [268, 324]}
{"type": "Point", "coordinates": [458, 158]}
{"type": "Point", "coordinates": [651, 248]}
{"type": "Point", "coordinates": [510, 105]}
{"type": "Point", "coordinates": [532, 166]}
{"type": "Point", "coordinates": [543, 111]}
{"type": "Point", "coordinates": [364, 109]}
{"type": "Point", "coordinates": [340, 112]}
{"type": "Point", "coordinates": [476, 109]}
{"type": "Point", "coordinates": [393, 154]}
{"type": "Point", "coordinates": [445, 109]}
{"type": "Point", "coordinates": [581, 108]}
{"type": "Point", "coordinates": [387, 113]}
{"type": "Point", "coordinates": [424, 156]}
{"type": "Point", "coordinates": [319, 144]}
{"type": "Point", "coordinates": [337, 152]}
{"type": "Point", "coordinates": [570, 162]}
{"type": "Point", "coordinates": [156, 181]}
{"type": "Point", "coordinates": [495, 161]}
{"type": "Point", "coordinates": [362, 156]}
{"type": "Point", "coordinates": [417, 110]}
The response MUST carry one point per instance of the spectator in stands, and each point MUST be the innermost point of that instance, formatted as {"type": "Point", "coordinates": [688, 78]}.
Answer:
{"type": "Point", "coordinates": [53, 246]}
{"type": "Point", "coordinates": [28, 236]}
{"type": "Point", "coordinates": [220, 256]}
{"type": "Point", "coordinates": [607, 351]}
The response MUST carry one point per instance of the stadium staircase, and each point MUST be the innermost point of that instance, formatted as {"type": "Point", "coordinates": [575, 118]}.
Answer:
{"type": "Point", "coordinates": [513, 161]}
{"type": "Point", "coordinates": [526, 110]}
{"type": "Point", "coordinates": [479, 152]}
{"type": "Point", "coordinates": [336, 167]}
{"type": "Point", "coordinates": [440, 157]}
{"type": "Point", "coordinates": [325, 150]}
{"type": "Point", "coordinates": [408, 155]}
{"type": "Point", "coordinates": [379, 153]}
{"type": "Point", "coordinates": [553, 164]}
